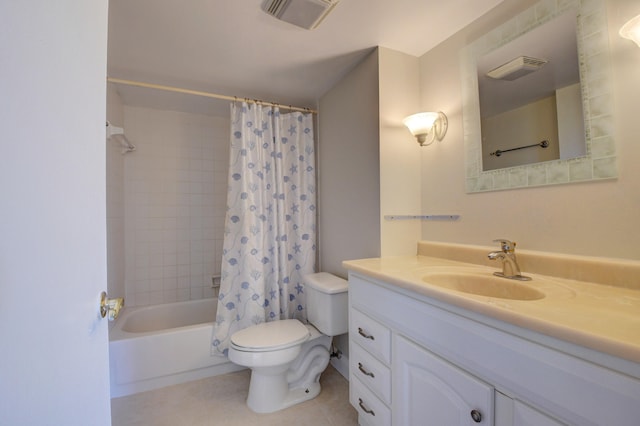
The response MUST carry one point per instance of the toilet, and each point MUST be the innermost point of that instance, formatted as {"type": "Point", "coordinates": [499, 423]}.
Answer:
{"type": "Point", "coordinates": [286, 357]}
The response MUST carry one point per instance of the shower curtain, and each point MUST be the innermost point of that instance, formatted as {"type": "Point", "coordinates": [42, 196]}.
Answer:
{"type": "Point", "coordinates": [270, 230]}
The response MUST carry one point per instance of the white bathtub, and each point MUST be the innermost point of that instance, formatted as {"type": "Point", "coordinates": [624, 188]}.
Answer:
{"type": "Point", "coordinates": [161, 345]}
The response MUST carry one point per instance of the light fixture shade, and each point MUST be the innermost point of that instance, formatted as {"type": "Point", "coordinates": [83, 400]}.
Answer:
{"type": "Point", "coordinates": [424, 123]}
{"type": "Point", "coordinates": [420, 123]}
{"type": "Point", "coordinates": [631, 30]}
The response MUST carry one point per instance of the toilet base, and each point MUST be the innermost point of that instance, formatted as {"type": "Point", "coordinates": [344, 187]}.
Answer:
{"type": "Point", "coordinates": [268, 394]}
{"type": "Point", "coordinates": [275, 388]}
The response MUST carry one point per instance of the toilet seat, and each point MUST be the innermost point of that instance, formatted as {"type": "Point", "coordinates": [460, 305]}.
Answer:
{"type": "Point", "coordinates": [270, 336]}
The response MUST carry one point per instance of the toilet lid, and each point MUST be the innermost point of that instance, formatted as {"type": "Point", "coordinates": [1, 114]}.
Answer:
{"type": "Point", "coordinates": [271, 335]}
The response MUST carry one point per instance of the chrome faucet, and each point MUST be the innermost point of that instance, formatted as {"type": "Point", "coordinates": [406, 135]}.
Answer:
{"type": "Point", "coordinates": [507, 255]}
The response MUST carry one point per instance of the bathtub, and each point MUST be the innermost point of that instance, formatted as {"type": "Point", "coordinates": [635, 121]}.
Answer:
{"type": "Point", "coordinates": [161, 345]}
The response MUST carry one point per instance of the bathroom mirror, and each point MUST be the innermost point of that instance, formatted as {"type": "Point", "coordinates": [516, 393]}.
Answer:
{"type": "Point", "coordinates": [574, 85]}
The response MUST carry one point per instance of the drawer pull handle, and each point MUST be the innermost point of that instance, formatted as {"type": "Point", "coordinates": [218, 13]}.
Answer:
{"type": "Point", "coordinates": [364, 334]}
{"type": "Point", "coordinates": [365, 372]}
{"type": "Point", "coordinates": [476, 416]}
{"type": "Point", "coordinates": [365, 409]}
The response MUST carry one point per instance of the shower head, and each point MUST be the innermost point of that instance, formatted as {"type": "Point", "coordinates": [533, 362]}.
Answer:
{"type": "Point", "coordinates": [117, 134]}
{"type": "Point", "coordinates": [124, 142]}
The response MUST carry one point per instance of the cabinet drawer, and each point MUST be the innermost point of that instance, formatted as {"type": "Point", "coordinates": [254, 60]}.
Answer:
{"type": "Point", "coordinates": [371, 411]}
{"type": "Point", "coordinates": [374, 374]}
{"type": "Point", "coordinates": [374, 337]}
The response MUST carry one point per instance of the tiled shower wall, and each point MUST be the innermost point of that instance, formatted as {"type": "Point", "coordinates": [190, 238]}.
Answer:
{"type": "Point", "coordinates": [175, 202]}
{"type": "Point", "coordinates": [115, 220]}
{"type": "Point", "coordinates": [115, 198]}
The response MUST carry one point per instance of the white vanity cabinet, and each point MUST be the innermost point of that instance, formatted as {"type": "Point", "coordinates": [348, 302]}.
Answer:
{"type": "Point", "coordinates": [418, 361]}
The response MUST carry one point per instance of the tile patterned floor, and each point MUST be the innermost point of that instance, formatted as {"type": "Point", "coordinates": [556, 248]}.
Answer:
{"type": "Point", "coordinates": [220, 401]}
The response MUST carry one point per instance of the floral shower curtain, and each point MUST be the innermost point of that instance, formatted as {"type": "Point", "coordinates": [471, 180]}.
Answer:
{"type": "Point", "coordinates": [270, 230]}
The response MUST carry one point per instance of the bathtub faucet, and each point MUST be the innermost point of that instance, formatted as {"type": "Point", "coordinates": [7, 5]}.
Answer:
{"type": "Point", "coordinates": [507, 254]}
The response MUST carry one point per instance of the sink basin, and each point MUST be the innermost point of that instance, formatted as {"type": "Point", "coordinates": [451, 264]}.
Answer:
{"type": "Point", "coordinates": [482, 284]}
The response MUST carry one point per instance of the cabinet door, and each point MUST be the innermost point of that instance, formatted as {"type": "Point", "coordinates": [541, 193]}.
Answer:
{"type": "Point", "coordinates": [523, 415]}
{"type": "Point", "coordinates": [511, 412]}
{"type": "Point", "coordinates": [428, 390]}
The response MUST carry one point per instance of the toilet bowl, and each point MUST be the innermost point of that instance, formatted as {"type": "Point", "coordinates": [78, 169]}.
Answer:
{"type": "Point", "coordinates": [286, 357]}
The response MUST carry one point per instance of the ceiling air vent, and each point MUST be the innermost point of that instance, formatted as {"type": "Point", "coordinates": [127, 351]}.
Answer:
{"type": "Point", "coordinates": [303, 13]}
{"type": "Point", "coordinates": [517, 68]}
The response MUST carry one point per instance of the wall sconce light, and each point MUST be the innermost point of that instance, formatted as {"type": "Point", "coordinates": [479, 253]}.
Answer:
{"type": "Point", "coordinates": [631, 30]}
{"type": "Point", "coordinates": [427, 125]}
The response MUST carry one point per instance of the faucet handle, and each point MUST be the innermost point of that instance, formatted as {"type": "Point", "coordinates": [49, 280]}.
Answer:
{"type": "Point", "coordinates": [506, 245]}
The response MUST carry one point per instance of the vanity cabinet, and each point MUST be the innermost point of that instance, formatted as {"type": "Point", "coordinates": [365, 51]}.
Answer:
{"type": "Point", "coordinates": [419, 361]}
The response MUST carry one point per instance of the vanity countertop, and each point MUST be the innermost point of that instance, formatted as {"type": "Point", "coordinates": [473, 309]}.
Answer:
{"type": "Point", "coordinates": [602, 317]}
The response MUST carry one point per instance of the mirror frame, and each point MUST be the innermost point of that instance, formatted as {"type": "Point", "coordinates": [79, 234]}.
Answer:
{"type": "Point", "coordinates": [600, 161]}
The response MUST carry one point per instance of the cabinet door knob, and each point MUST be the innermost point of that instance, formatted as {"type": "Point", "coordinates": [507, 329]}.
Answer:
{"type": "Point", "coordinates": [364, 334]}
{"type": "Point", "coordinates": [365, 372]}
{"type": "Point", "coordinates": [476, 416]}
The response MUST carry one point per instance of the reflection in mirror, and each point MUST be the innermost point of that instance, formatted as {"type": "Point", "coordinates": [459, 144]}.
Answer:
{"type": "Point", "coordinates": [522, 89]}
{"type": "Point", "coordinates": [530, 99]}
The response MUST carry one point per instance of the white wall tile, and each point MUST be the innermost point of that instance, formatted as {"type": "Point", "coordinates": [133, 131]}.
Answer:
{"type": "Point", "coordinates": [174, 203]}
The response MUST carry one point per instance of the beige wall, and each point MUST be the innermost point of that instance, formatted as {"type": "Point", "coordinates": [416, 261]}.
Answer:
{"type": "Point", "coordinates": [115, 107]}
{"type": "Point", "coordinates": [369, 162]}
{"type": "Point", "coordinates": [599, 219]}
{"type": "Point", "coordinates": [570, 121]}
{"type": "Point", "coordinates": [527, 125]}
{"type": "Point", "coordinates": [399, 152]}
{"type": "Point", "coordinates": [349, 175]}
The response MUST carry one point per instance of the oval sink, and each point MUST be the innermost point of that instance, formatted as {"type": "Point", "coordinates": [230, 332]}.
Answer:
{"type": "Point", "coordinates": [484, 285]}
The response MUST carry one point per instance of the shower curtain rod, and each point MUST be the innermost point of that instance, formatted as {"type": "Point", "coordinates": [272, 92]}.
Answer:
{"type": "Point", "coordinates": [204, 94]}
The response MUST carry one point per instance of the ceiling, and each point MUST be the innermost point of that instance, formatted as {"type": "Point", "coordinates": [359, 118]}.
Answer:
{"type": "Point", "coordinates": [234, 48]}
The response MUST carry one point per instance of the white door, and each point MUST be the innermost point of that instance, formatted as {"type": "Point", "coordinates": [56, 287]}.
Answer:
{"type": "Point", "coordinates": [53, 345]}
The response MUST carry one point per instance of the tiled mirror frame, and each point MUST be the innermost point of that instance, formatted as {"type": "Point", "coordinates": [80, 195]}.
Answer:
{"type": "Point", "coordinates": [593, 55]}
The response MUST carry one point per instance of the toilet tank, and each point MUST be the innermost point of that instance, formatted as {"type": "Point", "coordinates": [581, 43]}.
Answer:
{"type": "Point", "coordinates": [327, 303]}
